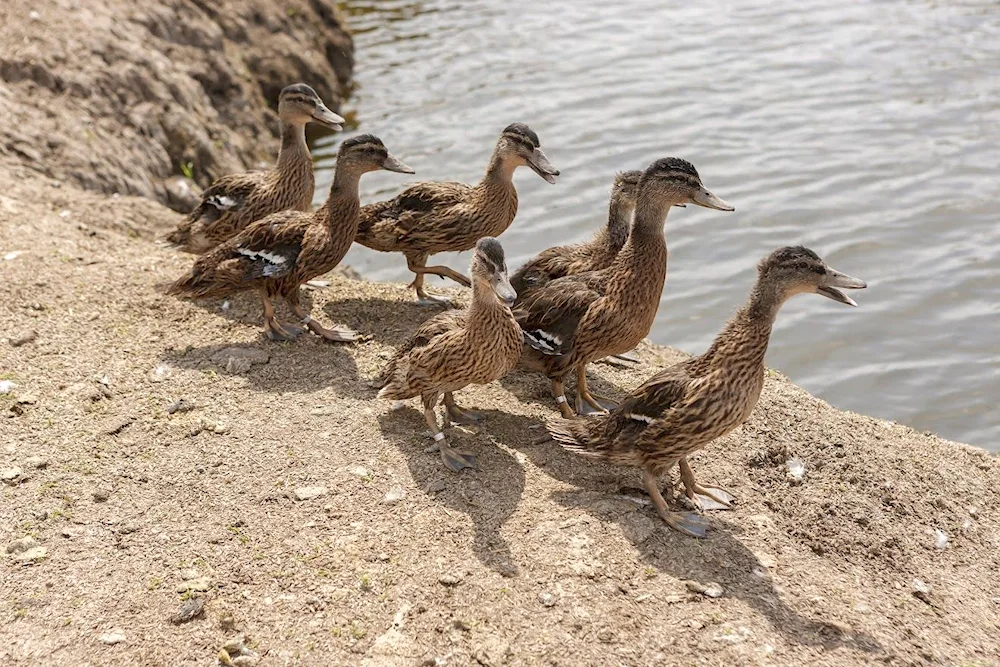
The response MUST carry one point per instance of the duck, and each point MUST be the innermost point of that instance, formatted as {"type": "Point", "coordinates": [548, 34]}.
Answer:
{"type": "Point", "coordinates": [457, 348]}
{"type": "Point", "coordinates": [432, 217]}
{"type": "Point", "coordinates": [280, 252]}
{"type": "Point", "coordinates": [593, 255]}
{"type": "Point", "coordinates": [576, 319]}
{"type": "Point", "coordinates": [234, 201]}
{"type": "Point", "coordinates": [684, 407]}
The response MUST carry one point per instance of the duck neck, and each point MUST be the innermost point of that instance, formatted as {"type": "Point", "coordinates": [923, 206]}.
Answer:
{"type": "Point", "coordinates": [293, 156]}
{"type": "Point", "coordinates": [344, 198]}
{"type": "Point", "coordinates": [499, 178]}
{"type": "Point", "coordinates": [613, 236]}
{"type": "Point", "coordinates": [645, 252]}
{"type": "Point", "coordinates": [746, 336]}
{"type": "Point", "coordinates": [485, 310]}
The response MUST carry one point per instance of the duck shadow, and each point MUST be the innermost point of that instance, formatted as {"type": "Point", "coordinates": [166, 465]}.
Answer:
{"type": "Point", "coordinates": [721, 557]}
{"type": "Point", "coordinates": [489, 495]}
{"type": "Point", "coordinates": [388, 321]}
{"type": "Point", "coordinates": [307, 364]}
{"type": "Point", "coordinates": [533, 388]}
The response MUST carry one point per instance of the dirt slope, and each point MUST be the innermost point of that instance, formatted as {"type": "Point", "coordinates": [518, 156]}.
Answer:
{"type": "Point", "coordinates": [535, 559]}
{"type": "Point", "coordinates": [116, 96]}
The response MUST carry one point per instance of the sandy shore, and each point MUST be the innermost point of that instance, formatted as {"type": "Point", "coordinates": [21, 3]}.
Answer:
{"type": "Point", "coordinates": [155, 453]}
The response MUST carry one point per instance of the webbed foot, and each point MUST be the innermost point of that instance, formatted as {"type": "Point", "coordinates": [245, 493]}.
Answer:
{"type": "Point", "coordinates": [689, 523]}
{"type": "Point", "coordinates": [708, 498]}
{"type": "Point", "coordinates": [462, 416]}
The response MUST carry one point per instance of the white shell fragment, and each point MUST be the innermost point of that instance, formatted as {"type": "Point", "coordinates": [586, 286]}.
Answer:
{"type": "Point", "coordinates": [6, 386]}
{"type": "Point", "coordinates": [796, 470]}
{"type": "Point", "coordinates": [940, 539]}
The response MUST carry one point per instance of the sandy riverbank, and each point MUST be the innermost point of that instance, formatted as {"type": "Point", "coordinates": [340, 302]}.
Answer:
{"type": "Point", "coordinates": [130, 505]}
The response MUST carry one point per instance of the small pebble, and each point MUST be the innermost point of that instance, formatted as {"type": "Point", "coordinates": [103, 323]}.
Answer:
{"type": "Point", "coordinates": [180, 406]}
{"type": "Point", "coordinates": [37, 462]}
{"type": "Point", "coordinates": [32, 555]}
{"type": "Point", "coordinates": [23, 338]}
{"type": "Point", "coordinates": [112, 638]}
{"type": "Point", "coordinates": [394, 495]}
{"type": "Point", "coordinates": [6, 386]}
{"type": "Point", "coordinates": [236, 646]}
{"type": "Point", "coordinates": [449, 580]}
{"type": "Point", "coordinates": [712, 589]}
{"type": "Point", "coordinates": [436, 486]}
{"type": "Point", "coordinates": [547, 599]}
{"type": "Point", "coordinates": [21, 545]}
{"type": "Point", "coordinates": [10, 475]}
{"type": "Point", "coordinates": [310, 492]}
{"type": "Point", "coordinates": [360, 471]}
{"type": "Point", "coordinates": [200, 585]}
{"type": "Point", "coordinates": [160, 373]}
{"type": "Point", "coordinates": [922, 590]}
{"type": "Point", "coordinates": [101, 495]}
{"type": "Point", "coordinates": [190, 610]}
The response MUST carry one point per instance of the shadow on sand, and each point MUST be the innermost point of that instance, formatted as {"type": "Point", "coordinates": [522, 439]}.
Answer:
{"type": "Point", "coordinates": [489, 495]}
{"type": "Point", "coordinates": [722, 557]}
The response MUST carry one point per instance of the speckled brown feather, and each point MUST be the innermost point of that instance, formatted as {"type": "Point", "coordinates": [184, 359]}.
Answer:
{"type": "Point", "coordinates": [456, 349]}
{"type": "Point", "coordinates": [438, 217]}
{"type": "Point", "coordinates": [593, 255]}
{"type": "Point", "coordinates": [684, 407]}
{"type": "Point", "coordinates": [308, 244]}
{"type": "Point", "coordinates": [255, 194]}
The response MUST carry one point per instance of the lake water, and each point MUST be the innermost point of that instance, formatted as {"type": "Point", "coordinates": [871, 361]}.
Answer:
{"type": "Point", "coordinates": [868, 131]}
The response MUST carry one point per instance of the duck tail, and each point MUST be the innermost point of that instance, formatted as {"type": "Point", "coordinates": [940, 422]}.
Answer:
{"type": "Point", "coordinates": [392, 379]}
{"type": "Point", "coordinates": [194, 284]}
{"type": "Point", "coordinates": [581, 436]}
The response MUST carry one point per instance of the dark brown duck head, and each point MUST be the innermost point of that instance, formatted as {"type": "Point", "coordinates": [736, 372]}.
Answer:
{"type": "Point", "coordinates": [299, 104]}
{"type": "Point", "coordinates": [796, 270]}
{"type": "Point", "coordinates": [674, 181]}
{"type": "Point", "coordinates": [518, 145]}
{"type": "Point", "coordinates": [365, 153]}
{"type": "Point", "coordinates": [489, 271]}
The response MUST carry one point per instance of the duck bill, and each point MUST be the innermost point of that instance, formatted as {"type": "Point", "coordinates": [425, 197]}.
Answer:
{"type": "Point", "coordinates": [393, 164]}
{"type": "Point", "coordinates": [324, 116]}
{"type": "Point", "coordinates": [505, 291]}
{"type": "Point", "coordinates": [834, 281]}
{"type": "Point", "coordinates": [702, 197]}
{"type": "Point", "coordinates": [541, 166]}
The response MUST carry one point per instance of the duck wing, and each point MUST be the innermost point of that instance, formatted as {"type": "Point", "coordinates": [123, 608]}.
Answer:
{"type": "Point", "coordinates": [421, 209]}
{"type": "Point", "coordinates": [224, 197]}
{"type": "Point", "coordinates": [550, 315]}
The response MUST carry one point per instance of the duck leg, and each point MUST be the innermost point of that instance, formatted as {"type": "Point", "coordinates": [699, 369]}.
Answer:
{"type": "Point", "coordinates": [418, 265]}
{"type": "Point", "coordinates": [454, 459]}
{"type": "Point", "coordinates": [454, 413]}
{"type": "Point", "coordinates": [559, 393]}
{"type": "Point", "coordinates": [274, 329]}
{"type": "Point", "coordinates": [703, 497]}
{"type": "Point", "coordinates": [336, 334]}
{"type": "Point", "coordinates": [587, 403]}
{"type": "Point", "coordinates": [689, 523]}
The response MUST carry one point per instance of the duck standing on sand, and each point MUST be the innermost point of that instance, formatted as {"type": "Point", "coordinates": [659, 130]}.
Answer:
{"type": "Point", "coordinates": [280, 252]}
{"type": "Point", "coordinates": [234, 201]}
{"type": "Point", "coordinates": [686, 406]}
{"type": "Point", "coordinates": [428, 218]}
{"type": "Point", "coordinates": [457, 348]}
{"type": "Point", "coordinates": [576, 319]}
{"type": "Point", "coordinates": [593, 255]}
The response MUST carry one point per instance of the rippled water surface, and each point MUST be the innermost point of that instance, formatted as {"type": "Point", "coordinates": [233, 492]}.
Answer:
{"type": "Point", "coordinates": [867, 131]}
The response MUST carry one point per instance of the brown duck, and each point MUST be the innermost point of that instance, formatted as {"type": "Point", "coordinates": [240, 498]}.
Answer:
{"type": "Point", "coordinates": [596, 254]}
{"type": "Point", "coordinates": [234, 201]}
{"type": "Point", "coordinates": [686, 406]}
{"type": "Point", "coordinates": [459, 348]}
{"type": "Point", "coordinates": [280, 252]}
{"type": "Point", "coordinates": [576, 319]}
{"type": "Point", "coordinates": [428, 218]}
